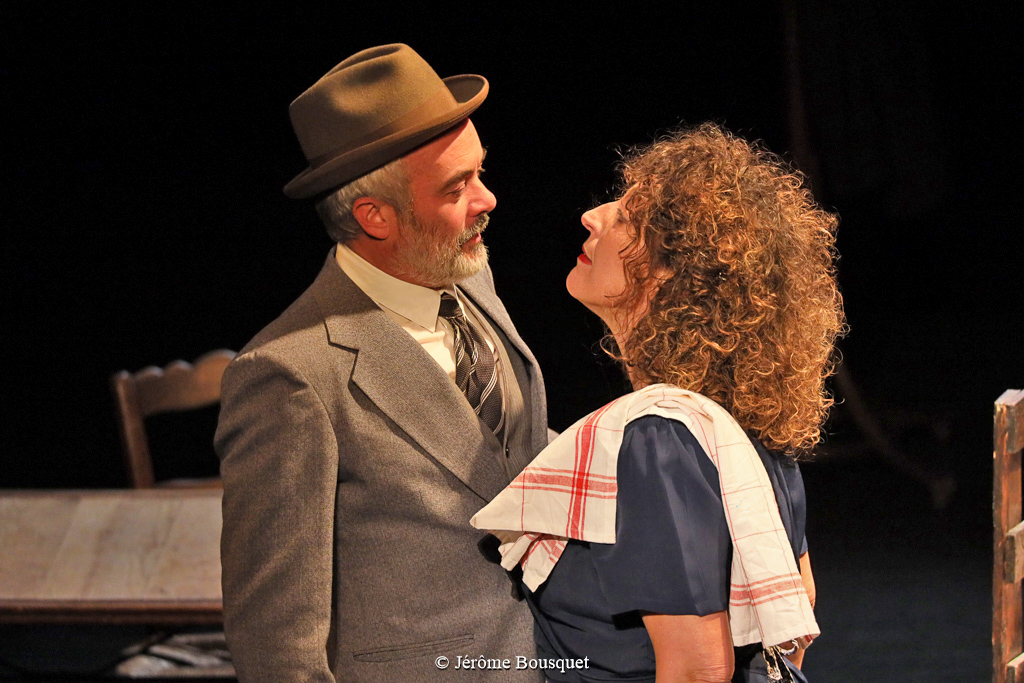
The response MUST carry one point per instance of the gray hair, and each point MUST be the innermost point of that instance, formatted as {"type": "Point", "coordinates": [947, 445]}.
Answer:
{"type": "Point", "coordinates": [389, 183]}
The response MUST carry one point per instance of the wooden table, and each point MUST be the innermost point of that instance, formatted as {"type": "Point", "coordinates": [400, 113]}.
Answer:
{"type": "Point", "coordinates": [124, 556]}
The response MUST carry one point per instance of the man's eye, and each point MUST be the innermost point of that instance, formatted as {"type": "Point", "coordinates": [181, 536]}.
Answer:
{"type": "Point", "coordinates": [457, 191]}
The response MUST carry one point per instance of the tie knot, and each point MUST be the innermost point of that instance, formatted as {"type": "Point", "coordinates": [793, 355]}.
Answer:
{"type": "Point", "coordinates": [449, 309]}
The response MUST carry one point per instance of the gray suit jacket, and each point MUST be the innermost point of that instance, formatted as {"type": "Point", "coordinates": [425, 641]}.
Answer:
{"type": "Point", "coordinates": [351, 467]}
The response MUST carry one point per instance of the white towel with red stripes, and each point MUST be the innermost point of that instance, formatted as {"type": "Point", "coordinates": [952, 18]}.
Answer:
{"type": "Point", "coordinates": [569, 491]}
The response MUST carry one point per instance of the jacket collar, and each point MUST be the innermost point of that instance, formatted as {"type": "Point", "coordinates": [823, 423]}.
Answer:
{"type": "Point", "coordinates": [398, 376]}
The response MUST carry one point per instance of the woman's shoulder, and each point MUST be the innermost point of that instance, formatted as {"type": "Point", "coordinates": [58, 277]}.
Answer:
{"type": "Point", "coordinates": [656, 450]}
{"type": "Point", "coordinates": [656, 447]}
{"type": "Point", "coordinates": [779, 466]}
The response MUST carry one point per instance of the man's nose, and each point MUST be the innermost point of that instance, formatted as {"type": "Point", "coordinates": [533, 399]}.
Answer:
{"type": "Point", "coordinates": [486, 201]}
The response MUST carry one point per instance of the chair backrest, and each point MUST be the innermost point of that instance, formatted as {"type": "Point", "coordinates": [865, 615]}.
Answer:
{"type": "Point", "coordinates": [178, 386]}
{"type": "Point", "coordinates": [1008, 556]}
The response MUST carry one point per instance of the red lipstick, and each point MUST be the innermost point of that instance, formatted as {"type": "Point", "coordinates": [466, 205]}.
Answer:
{"type": "Point", "coordinates": [582, 258]}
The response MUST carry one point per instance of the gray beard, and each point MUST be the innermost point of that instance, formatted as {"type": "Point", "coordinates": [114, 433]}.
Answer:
{"type": "Point", "coordinates": [439, 263]}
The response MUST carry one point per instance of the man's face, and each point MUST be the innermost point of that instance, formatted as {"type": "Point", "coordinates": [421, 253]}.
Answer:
{"type": "Point", "coordinates": [439, 239]}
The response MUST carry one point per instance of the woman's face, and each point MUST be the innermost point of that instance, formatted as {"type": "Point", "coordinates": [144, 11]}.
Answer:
{"type": "Point", "coordinates": [598, 281]}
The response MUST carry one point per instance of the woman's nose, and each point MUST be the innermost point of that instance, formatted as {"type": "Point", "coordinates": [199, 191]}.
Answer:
{"type": "Point", "coordinates": [595, 219]}
{"type": "Point", "coordinates": [587, 220]}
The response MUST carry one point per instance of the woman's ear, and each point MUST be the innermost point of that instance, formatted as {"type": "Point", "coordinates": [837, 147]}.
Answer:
{"type": "Point", "coordinates": [376, 217]}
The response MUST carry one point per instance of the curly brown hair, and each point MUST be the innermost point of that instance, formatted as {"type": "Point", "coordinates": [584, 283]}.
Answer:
{"type": "Point", "coordinates": [734, 263]}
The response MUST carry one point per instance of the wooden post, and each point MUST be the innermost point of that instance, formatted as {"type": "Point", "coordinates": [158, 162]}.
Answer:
{"type": "Point", "coordinates": [1008, 543]}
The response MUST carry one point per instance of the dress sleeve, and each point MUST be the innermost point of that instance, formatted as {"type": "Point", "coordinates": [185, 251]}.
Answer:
{"type": "Point", "coordinates": [672, 551]}
{"type": "Point", "coordinates": [798, 502]}
{"type": "Point", "coordinates": [788, 484]}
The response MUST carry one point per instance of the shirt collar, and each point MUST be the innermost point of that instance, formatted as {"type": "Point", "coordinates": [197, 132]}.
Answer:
{"type": "Point", "coordinates": [418, 304]}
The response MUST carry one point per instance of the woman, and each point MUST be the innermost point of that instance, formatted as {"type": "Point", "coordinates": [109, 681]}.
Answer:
{"type": "Point", "coordinates": [714, 274]}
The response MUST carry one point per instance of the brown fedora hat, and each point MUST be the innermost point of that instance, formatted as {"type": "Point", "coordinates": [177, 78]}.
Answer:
{"type": "Point", "coordinates": [371, 109]}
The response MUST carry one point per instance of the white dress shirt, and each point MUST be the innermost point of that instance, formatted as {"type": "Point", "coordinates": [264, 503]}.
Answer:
{"type": "Point", "coordinates": [412, 307]}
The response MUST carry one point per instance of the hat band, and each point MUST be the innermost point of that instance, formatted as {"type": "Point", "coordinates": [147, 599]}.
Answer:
{"type": "Point", "coordinates": [435, 106]}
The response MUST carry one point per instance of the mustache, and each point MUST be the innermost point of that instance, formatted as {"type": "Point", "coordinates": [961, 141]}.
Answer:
{"type": "Point", "coordinates": [478, 227]}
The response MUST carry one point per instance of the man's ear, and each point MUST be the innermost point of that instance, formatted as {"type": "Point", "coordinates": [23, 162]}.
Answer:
{"type": "Point", "coordinates": [377, 218]}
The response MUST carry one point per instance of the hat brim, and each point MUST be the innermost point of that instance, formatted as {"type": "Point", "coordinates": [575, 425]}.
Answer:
{"type": "Point", "coordinates": [469, 91]}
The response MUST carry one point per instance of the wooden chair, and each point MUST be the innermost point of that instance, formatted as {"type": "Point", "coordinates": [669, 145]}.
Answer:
{"type": "Point", "coordinates": [1008, 556]}
{"type": "Point", "coordinates": [179, 386]}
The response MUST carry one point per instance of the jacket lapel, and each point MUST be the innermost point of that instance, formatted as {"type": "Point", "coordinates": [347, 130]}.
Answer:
{"type": "Point", "coordinates": [401, 379]}
{"type": "Point", "coordinates": [480, 288]}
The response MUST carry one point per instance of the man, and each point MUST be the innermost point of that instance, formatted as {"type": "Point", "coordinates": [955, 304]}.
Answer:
{"type": "Point", "coordinates": [362, 429]}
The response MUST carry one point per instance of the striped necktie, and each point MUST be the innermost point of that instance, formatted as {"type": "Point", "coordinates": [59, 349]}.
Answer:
{"type": "Point", "coordinates": [474, 367]}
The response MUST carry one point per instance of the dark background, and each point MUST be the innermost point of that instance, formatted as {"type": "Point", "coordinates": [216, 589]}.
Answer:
{"type": "Point", "coordinates": [144, 152]}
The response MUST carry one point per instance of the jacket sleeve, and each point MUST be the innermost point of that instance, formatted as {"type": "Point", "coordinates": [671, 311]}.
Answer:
{"type": "Point", "coordinates": [279, 463]}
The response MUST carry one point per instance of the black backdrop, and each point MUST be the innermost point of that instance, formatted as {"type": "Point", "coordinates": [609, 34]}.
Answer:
{"type": "Point", "coordinates": [144, 152]}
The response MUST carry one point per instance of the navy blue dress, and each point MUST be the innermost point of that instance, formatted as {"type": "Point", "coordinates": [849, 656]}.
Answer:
{"type": "Point", "coordinates": [671, 556]}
